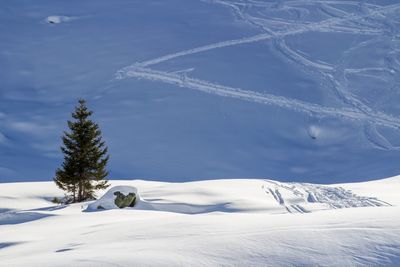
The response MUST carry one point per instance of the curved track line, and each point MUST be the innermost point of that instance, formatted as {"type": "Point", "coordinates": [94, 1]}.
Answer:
{"type": "Point", "coordinates": [268, 99]}
{"type": "Point", "coordinates": [323, 25]}
{"type": "Point", "coordinates": [359, 111]}
{"type": "Point", "coordinates": [299, 59]}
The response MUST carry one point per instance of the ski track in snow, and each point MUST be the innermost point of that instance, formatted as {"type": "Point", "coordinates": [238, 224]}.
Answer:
{"type": "Point", "coordinates": [318, 26]}
{"type": "Point", "coordinates": [330, 74]}
{"type": "Point", "coordinates": [333, 75]}
{"type": "Point", "coordinates": [336, 77]}
{"type": "Point", "coordinates": [304, 198]}
{"type": "Point", "coordinates": [269, 99]}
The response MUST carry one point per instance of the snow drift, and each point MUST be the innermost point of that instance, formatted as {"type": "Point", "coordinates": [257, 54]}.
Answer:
{"type": "Point", "coordinates": [207, 223]}
{"type": "Point", "coordinates": [276, 197]}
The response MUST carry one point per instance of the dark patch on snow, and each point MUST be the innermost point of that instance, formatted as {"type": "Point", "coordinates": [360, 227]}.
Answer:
{"type": "Point", "coordinates": [63, 250]}
{"type": "Point", "coordinates": [8, 244]}
{"type": "Point", "coordinates": [17, 217]}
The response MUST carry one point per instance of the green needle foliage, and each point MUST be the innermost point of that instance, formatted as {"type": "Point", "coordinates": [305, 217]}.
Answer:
{"type": "Point", "coordinates": [85, 158]}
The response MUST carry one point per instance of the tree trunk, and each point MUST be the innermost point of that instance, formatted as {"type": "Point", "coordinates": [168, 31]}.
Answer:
{"type": "Point", "coordinates": [74, 194]}
{"type": "Point", "coordinates": [80, 191]}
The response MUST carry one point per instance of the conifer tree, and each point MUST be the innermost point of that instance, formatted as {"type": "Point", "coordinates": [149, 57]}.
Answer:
{"type": "Point", "coordinates": [85, 158]}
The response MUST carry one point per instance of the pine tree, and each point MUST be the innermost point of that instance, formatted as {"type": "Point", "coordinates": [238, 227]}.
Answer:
{"type": "Point", "coordinates": [85, 158]}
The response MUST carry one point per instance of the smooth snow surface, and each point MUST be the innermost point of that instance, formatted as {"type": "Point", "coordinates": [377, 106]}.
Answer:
{"type": "Point", "coordinates": [241, 222]}
{"type": "Point", "coordinates": [204, 89]}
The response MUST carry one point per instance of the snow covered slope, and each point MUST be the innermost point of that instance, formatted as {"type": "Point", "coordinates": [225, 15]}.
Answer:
{"type": "Point", "coordinates": [194, 89]}
{"type": "Point", "coordinates": [241, 222]}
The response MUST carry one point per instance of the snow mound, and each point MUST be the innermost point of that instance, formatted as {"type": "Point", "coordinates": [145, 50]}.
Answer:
{"type": "Point", "coordinates": [265, 196]}
{"type": "Point", "coordinates": [185, 206]}
{"type": "Point", "coordinates": [107, 200]}
{"type": "Point", "coordinates": [303, 198]}
{"type": "Point", "coordinates": [57, 19]}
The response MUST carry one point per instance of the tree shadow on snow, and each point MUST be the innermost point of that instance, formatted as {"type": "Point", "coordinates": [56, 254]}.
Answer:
{"type": "Point", "coordinates": [4, 210]}
{"type": "Point", "coordinates": [52, 208]}
{"type": "Point", "coordinates": [18, 217]}
{"type": "Point", "coordinates": [8, 244]}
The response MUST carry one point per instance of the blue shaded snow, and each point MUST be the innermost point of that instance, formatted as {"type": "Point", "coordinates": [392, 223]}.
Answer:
{"type": "Point", "coordinates": [339, 60]}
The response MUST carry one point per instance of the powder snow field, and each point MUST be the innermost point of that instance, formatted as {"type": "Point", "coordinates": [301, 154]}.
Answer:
{"type": "Point", "coordinates": [304, 90]}
{"type": "Point", "coordinates": [236, 222]}
{"type": "Point", "coordinates": [299, 90]}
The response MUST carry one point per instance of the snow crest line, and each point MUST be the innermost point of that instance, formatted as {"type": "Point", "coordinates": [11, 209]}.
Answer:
{"type": "Point", "coordinates": [324, 25]}
{"type": "Point", "coordinates": [262, 98]}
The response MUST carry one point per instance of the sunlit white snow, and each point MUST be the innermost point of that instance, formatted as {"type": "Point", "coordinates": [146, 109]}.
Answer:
{"type": "Point", "coordinates": [240, 222]}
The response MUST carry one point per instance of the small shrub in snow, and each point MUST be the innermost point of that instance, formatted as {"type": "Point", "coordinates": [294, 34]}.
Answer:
{"type": "Point", "coordinates": [56, 200]}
